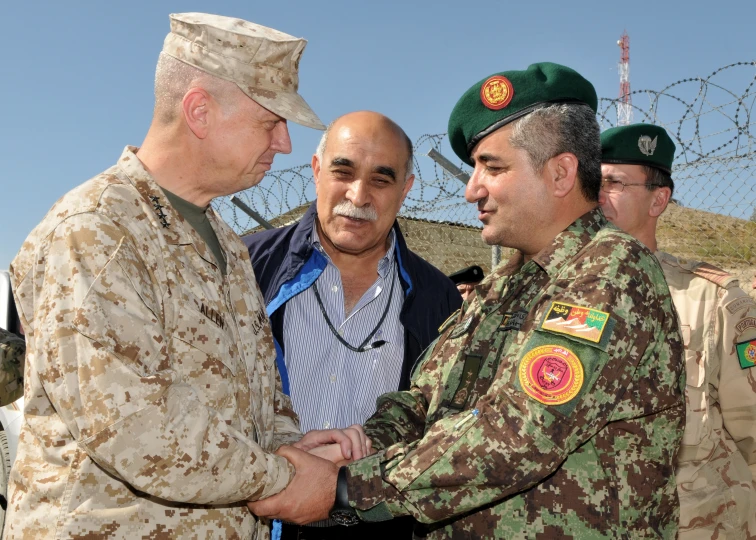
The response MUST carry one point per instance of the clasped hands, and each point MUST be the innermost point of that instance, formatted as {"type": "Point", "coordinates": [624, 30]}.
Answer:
{"type": "Point", "coordinates": [316, 457]}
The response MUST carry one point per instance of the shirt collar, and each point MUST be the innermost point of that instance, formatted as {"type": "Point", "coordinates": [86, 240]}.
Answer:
{"type": "Point", "coordinates": [174, 228]}
{"type": "Point", "coordinates": [567, 244]}
{"type": "Point", "coordinates": [384, 265]}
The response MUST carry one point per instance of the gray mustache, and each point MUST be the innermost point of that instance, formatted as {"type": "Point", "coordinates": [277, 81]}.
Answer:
{"type": "Point", "coordinates": [347, 209]}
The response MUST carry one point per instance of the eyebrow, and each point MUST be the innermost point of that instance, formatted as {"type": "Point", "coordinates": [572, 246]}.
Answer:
{"type": "Point", "coordinates": [340, 161]}
{"type": "Point", "coordinates": [485, 158]}
{"type": "Point", "coordinates": [610, 177]}
{"type": "Point", "coordinates": [386, 171]}
{"type": "Point", "coordinates": [380, 169]}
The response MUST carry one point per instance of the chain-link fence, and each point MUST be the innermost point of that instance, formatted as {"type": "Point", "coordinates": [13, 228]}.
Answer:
{"type": "Point", "coordinates": [714, 219]}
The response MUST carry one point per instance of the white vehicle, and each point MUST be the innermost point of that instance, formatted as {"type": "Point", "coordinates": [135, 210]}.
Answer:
{"type": "Point", "coordinates": [11, 416]}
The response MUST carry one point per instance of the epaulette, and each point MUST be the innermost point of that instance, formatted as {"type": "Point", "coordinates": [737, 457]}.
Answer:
{"type": "Point", "coordinates": [448, 322]}
{"type": "Point", "coordinates": [714, 274]}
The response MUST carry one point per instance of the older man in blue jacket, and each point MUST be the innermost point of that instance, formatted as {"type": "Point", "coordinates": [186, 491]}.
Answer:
{"type": "Point", "coordinates": [351, 307]}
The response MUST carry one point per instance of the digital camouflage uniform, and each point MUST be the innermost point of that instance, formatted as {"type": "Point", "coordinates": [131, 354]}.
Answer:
{"type": "Point", "coordinates": [717, 461]}
{"type": "Point", "coordinates": [587, 450]}
{"type": "Point", "coordinates": [12, 350]}
{"type": "Point", "coordinates": [152, 397]}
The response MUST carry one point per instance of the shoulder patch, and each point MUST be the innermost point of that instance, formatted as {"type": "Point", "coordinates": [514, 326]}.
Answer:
{"type": "Point", "coordinates": [745, 324]}
{"type": "Point", "coordinates": [551, 374]}
{"type": "Point", "coordinates": [713, 274]}
{"type": "Point", "coordinates": [576, 321]}
{"type": "Point", "coordinates": [741, 303]}
{"type": "Point", "coordinates": [746, 353]}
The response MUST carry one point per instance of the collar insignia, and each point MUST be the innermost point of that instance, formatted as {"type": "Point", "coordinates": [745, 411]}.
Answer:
{"type": "Point", "coordinates": [159, 211]}
{"type": "Point", "coordinates": [461, 328]}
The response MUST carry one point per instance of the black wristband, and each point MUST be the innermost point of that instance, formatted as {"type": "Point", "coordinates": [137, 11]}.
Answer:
{"type": "Point", "coordinates": [342, 513]}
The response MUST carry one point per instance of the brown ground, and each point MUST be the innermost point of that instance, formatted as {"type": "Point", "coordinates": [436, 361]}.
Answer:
{"type": "Point", "coordinates": [727, 242]}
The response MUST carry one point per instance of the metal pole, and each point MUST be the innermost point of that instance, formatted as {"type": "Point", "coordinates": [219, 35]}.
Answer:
{"type": "Point", "coordinates": [251, 213]}
{"type": "Point", "coordinates": [448, 166]}
{"type": "Point", "coordinates": [495, 256]}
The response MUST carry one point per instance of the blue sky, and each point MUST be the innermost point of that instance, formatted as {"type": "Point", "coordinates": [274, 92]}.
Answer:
{"type": "Point", "coordinates": [77, 84]}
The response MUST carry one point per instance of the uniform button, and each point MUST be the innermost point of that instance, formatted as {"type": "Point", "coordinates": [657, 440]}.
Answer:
{"type": "Point", "coordinates": [341, 332]}
{"type": "Point", "coordinates": [326, 425]}
{"type": "Point", "coordinates": [335, 288]}
{"type": "Point", "coordinates": [333, 377]}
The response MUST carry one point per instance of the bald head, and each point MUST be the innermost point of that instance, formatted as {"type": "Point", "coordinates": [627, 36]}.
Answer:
{"type": "Point", "coordinates": [369, 124]}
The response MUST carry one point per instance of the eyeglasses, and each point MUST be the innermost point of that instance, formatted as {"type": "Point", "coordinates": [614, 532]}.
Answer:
{"type": "Point", "coordinates": [616, 186]}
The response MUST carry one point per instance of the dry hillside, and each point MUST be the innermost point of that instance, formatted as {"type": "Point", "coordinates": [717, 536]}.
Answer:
{"type": "Point", "coordinates": [687, 233]}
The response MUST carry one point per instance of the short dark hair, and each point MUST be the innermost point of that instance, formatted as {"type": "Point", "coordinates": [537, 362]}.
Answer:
{"type": "Point", "coordinates": [658, 178]}
{"type": "Point", "coordinates": [554, 129]}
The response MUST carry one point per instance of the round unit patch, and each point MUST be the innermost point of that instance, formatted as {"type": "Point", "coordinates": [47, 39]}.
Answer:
{"type": "Point", "coordinates": [496, 92]}
{"type": "Point", "coordinates": [551, 374]}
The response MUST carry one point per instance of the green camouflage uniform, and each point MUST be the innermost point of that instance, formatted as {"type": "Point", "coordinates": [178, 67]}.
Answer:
{"type": "Point", "coordinates": [717, 462]}
{"type": "Point", "coordinates": [152, 402]}
{"type": "Point", "coordinates": [12, 349]}
{"type": "Point", "coordinates": [471, 453]}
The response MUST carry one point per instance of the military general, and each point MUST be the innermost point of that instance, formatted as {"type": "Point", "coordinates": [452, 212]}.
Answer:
{"type": "Point", "coordinates": [153, 407]}
{"type": "Point", "coordinates": [551, 406]}
{"type": "Point", "coordinates": [716, 469]}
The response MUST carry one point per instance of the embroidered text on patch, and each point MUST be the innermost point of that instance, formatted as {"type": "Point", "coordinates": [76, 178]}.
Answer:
{"type": "Point", "coordinates": [576, 321]}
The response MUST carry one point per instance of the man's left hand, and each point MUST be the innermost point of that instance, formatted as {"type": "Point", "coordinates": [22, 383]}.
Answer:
{"type": "Point", "coordinates": [308, 497]}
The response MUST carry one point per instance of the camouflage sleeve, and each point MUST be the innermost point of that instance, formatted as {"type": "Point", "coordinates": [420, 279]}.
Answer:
{"type": "Point", "coordinates": [400, 416]}
{"type": "Point", "coordinates": [104, 358]}
{"type": "Point", "coordinates": [736, 326]}
{"type": "Point", "coordinates": [12, 352]}
{"type": "Point", "coordinates": [513, 440]}
{"type": "Point", "coordinates": [286, 421]}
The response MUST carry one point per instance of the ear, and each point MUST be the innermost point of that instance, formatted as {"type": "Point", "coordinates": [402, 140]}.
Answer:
{"type": "Point", "coordinates": [196, 106]}
{"type": "Point", "coordinates": [315, 164]}
{"type": "Point", "coordinates": [407, 186]}
{"type": "Point", "coordinates": [562, 173]}
{"type": "Point", "coordinates": [660, 201]}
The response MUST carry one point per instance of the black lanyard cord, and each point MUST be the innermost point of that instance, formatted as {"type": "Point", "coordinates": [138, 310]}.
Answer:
{"type": "Point", "coordinates": [362, 347]}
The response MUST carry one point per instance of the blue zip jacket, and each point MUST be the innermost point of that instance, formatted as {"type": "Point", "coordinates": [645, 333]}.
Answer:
{"type": "Point", "coordinates": [286, 264]}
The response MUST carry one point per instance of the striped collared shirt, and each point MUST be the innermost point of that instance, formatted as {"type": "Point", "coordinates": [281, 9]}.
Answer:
{"type": "Point", "coordinates": [332, 386]}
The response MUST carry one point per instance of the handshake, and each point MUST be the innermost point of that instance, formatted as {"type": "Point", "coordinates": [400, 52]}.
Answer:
{"type": "Point", "coordinates": [316, 457]}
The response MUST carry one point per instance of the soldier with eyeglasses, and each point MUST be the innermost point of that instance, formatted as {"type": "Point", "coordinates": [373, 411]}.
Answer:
{"type": "Point", "coordinates": [716, 465]}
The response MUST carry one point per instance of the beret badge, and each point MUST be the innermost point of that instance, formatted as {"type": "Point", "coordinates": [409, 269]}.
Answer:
{"type": "Point", "coordinates": [646, 145]}
{"type": "Point", "coordinates": [496, 92]}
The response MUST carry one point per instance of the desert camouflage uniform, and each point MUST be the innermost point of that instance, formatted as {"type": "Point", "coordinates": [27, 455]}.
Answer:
{"type": "Point", "coordinates": [151, 389]}
{"type": "Point", "coordinates": [12, 349]}
{"type": "Point", "coordinates": [717, 461]}
{"type": "Point", "coordinates": [468, 451]}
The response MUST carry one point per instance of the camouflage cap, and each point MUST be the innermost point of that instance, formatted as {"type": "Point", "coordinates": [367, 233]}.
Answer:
{"type": "Point", "coordinates": [262, 61]}
{"type": "Point", "coordinates": [495, 101]}
{"type": "Point", "coordinates": [638, 144]}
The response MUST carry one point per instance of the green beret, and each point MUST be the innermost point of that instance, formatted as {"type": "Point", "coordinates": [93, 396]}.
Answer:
{"type": "Point", "coordinates": [638, 144]}
{"type": "Point", "coordinates": [503, 97]}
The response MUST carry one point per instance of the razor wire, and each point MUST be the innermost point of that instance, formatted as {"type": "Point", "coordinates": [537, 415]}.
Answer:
{"type": "Point", "coordinates": [709, 118]}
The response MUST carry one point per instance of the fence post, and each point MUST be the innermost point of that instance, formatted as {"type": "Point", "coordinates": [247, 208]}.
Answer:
{"type": "Point", "coordinates": [495, 256]}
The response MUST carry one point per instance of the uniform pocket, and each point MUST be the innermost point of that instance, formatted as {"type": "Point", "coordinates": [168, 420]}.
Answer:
{"type": "Point", "coordinates": [696, 402]}
{"type": "Point", "coordinates": [206, 359]}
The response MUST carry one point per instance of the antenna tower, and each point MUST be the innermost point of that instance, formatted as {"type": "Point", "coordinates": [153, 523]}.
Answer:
{"type": "Point", "coordinates": [625, 105]}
